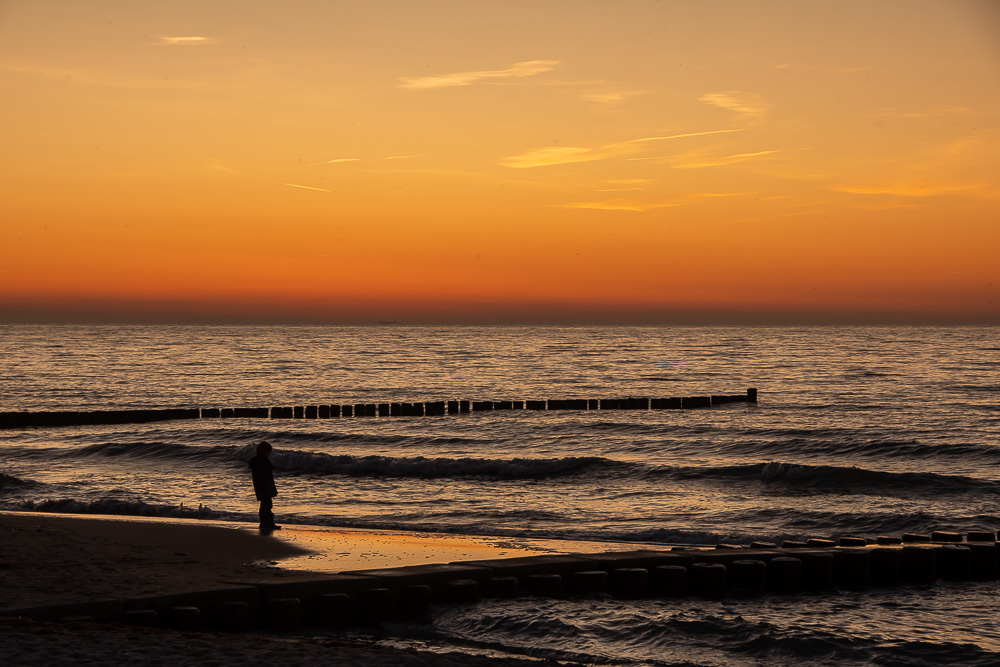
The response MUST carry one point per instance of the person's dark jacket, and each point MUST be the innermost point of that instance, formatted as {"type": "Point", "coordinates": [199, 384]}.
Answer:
{"type": "Point", "coordinates": [263, 477]}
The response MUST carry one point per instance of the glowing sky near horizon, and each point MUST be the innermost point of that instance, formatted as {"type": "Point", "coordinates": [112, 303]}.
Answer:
{"type": "Point", "coordinates": [452, 161]}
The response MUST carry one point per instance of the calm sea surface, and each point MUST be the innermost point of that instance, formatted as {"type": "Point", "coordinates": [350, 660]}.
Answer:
{"type": "Point", "coordinates": [859, 431]}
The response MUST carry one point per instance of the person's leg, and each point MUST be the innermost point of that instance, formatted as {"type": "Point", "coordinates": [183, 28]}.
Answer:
{"type": "Point", "coordinates": [265, 514]}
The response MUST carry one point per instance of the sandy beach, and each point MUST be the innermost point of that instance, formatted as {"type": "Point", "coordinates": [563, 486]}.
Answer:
{"type": "Point", "coordinates": [29, 643]}
{"type": "Point", "coordinates": [52, 560]}
{"type": "Point", "coordinates": [57, 559]}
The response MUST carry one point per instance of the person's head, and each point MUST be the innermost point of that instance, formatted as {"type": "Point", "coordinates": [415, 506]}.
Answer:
{"type": "Point", "coordinates": [264, 448]}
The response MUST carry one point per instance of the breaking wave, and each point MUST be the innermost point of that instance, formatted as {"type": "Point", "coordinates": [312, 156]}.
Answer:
{"type": "Point", "coordinates": [121, 507]}
{"type": "Point", "coordinates": [11, 482]}
{"type": "Point", "coordinates": [431, 468]}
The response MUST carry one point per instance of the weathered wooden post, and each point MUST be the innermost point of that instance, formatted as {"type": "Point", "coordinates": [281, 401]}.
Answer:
{"type": "Point", "coordinates": [462, 591]}
{"type": "Point", "coordinates": [284, 614]}
{"type": "Point", "coordinates": [886, 566]}
{"type": "Point", "coordinates": [748, 576]}
{"type": "Point", "coordinates": [417, 599]}
{"type": "Point", "coordinates": [334, 609]}
{"type": "Point", "coordinates": [919, 563]}
{"type": "Point", "coordinates": [630, 583]}
{"type": "Point", "coordinates": [853, 567]}
{"type": "Point", "coordinates": [818, 570]}
{"type": "Point", "coordinates": [785, 574]}
{"type": "Point", "coordinates": [670, 580]}
{"type": "Point", "coordinates": [544, 585]}
{"type": "Point", "coordinates": [377, 605]}
{"type": "Point", "coordinates": [501, 587]}
{"type": "Point", "coordinates": [708, 579]}
{"type": "Point", "coordinates": [984, 559]}
{"type": "Point", "coordinates": [588, 582]}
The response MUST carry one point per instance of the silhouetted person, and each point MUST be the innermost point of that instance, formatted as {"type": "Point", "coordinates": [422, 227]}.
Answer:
{"type": "Point", "coordinates": [263, 485]}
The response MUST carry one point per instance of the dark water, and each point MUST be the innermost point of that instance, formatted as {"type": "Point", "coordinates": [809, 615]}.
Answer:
{"type": "Point", "coordinates": [859, 431]}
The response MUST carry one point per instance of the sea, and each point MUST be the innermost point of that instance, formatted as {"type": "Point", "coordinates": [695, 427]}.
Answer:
{"type": "Point", "coordinates": [858, 431]}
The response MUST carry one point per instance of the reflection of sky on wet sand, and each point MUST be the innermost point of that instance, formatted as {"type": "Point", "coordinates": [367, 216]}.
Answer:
{"type": "Point", "coordinates": [338, 550]}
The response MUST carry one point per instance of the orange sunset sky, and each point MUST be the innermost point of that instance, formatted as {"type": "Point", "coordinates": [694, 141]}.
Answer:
{"type": "Point", "coordinates": [491, 162]}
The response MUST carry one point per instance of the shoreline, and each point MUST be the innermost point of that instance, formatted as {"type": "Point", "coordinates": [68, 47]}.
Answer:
{"type": "Point", "coordinates": [239, 590]}
{"type": "Point", "coordinates": [59, 559]}
{"type": "Point", "coordinates": [53, 560]}
{"type": "Point", "coordinates": [48, 559]}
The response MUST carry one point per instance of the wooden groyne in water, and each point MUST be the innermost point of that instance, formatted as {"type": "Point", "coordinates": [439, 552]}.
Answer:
{"type": "Point", "coordinates": [12, 420]}
{"type": "Point", "coordinates": [365, 597]}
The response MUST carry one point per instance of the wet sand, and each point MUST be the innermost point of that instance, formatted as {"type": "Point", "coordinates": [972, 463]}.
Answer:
{"type": "Point", "coordinates": [52, 559]}
{"type": "Point", "coordinates": [56, 559]}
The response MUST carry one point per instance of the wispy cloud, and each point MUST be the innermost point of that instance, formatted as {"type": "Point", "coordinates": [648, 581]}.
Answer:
{"type": "Point", "coordinates": [966, 166]}
{"type": "Point", "coordinates": [553, 155]}
{"type": "Point", "coordinates": [715, 195]}
{"type": "Point", "coordinates": [517, 70]}
{"type": "Point", "coordinates": [339, 160]}
{"type": "Point", "coordinates": [304, 187]}
{"type": "Point", "coordinates": [619, 205]}
{"type": "Point", "coordinates": [935, 112]}
{"type": "Point", "coordinates": [804, 67]}
{"type": "Point", "coordinates": [336, 160]}
{"type": "Point", "coordinates": [635, 206]}
{"type": "Point", "coordinates": [682, 136]}
{"type": "Point", "coordinates": [192, 40]}
{"type": "Point", "coordinates": [611, 99]}
{"type": "Point", "coordinates": [690, 161]}
{"type": "Point", "coordinates": [749, 105]}
{"type": "Point", "coordinates": [883, 205]}
{"type": "Point", "coordinates": [911, 189]}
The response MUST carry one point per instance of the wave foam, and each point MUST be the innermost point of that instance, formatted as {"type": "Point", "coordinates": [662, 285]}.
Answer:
{"type": "Point", "coordinates": [839, 479]}
{"type": "Point", "coordinates": [431, 468]}
{"type": "Point", "coordinates": [119, 507]}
